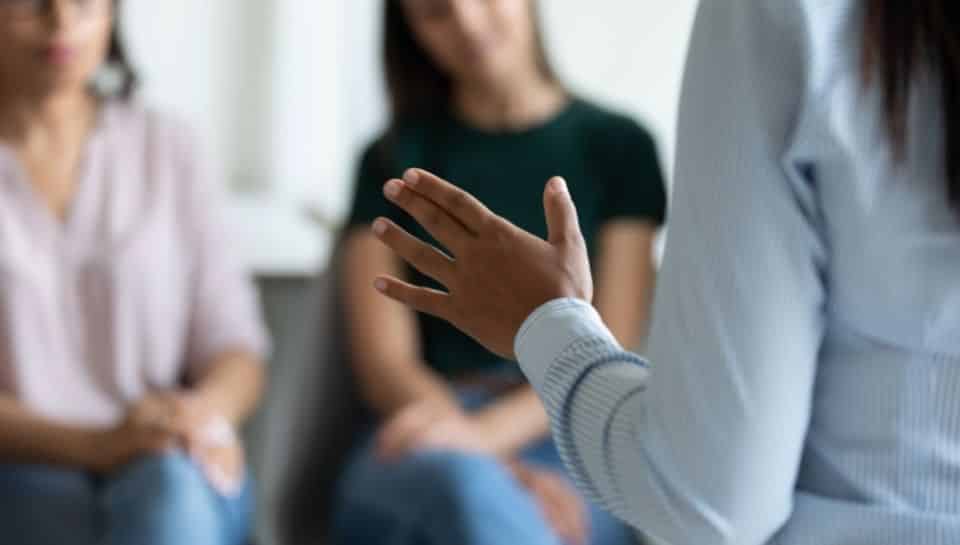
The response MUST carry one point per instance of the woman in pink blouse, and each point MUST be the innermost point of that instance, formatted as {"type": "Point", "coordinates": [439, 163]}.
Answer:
{"type": "Point", "coordinates": [130, 340]}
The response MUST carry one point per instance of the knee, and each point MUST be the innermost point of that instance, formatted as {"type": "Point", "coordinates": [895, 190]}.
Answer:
{"type": "Point", "coordinates": [173, 476]}
{"type": "Point", "coordinates": [46, 505]}
{"type": "Point", "coordinates": [444, 485]}
{"type": "Point", "coordinates": [435, 497]}
{"type": "Point", "coordinates": [42, 480]}
{"type": "Point", "coordinates": [170, 485]}
{"type": "Point", "coordinates": [431, 480]}
{"type": "Point", "coordinates": [454, 482]}
{"type": "Point", "coordinates": [46, 486]}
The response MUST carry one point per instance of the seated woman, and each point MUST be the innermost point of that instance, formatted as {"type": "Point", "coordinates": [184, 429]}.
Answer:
{"type": "Point", "coordinates": [130, 340]}
{"type": "Point", "coordinates": [462, 453]}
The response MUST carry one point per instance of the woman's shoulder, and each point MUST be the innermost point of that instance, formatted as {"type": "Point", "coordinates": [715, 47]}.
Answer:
{"type": "Point", "coordinates": [135, 121]}
{"type": "Point", "coordinates": [406, 130]}
{"type": "Point", "coordinates": [609, 136]}
{"type": "Point", "coordinates": [400, 145]}
{"type": "Point", "coordinates": [164, 146]}
{"type": "Point", "coordinates": [603, 123]}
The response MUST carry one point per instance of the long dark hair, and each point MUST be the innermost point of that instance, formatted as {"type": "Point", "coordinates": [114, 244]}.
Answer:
{"type": "Point", "coordinates": [900, 40]}
{"type": "Point", "coordinates": [416, 86]}
{"type": "Point", "coordinates": [118, 61]}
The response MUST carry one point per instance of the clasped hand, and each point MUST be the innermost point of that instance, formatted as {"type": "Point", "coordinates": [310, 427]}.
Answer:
{"type": "Point", "coordinates": [164, 421]}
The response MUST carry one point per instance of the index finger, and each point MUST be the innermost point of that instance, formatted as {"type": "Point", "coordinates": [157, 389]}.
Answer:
{"type": "Point", "coordinates": [456, 202]}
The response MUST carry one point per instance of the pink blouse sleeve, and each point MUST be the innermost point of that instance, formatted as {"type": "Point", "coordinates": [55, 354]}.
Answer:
{"type": "Point", "coordinates": [224, 310]}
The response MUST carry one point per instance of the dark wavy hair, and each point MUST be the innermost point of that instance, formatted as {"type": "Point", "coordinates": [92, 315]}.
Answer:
{"type": "Point", "coordinates": [416, 86]}
{"type": "Point", "coordinates": [901, 39]}
{"type": "Point", "coordinates": [118, 60]}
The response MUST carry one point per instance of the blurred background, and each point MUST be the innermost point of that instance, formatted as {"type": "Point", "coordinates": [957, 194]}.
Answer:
{"type": "Point", "coordinates": [286, 93]}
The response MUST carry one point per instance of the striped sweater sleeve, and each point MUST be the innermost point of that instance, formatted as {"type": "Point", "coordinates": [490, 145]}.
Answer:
{"type": "Point", "coordinates": [585, 378]}
{"type": "Point", "coordinates": [705, 447]}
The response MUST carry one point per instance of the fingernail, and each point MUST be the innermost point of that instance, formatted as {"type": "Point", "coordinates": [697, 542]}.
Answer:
{"type": "Point", "coordinates": [379, 227]}
{"type": "Point", "coordinates": [411, 176]}
{"type": "Point", "coordinates": [392, 189]}
{"type": "Point", "coordinates": [559, 184]}
{"type": "Point", "coordinates": [380, 284]}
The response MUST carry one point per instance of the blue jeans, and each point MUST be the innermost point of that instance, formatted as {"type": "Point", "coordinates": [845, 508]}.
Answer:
{"type": "Point", "coordinates": [160, 500]}
{"type": "Point", "coordinates": [451, 498]}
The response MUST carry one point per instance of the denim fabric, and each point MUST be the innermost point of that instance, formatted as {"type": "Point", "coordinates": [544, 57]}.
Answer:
{"type": "Point", "coordinates": [160, 500]}
{"type": "Point", "coordinates": [443, 498]}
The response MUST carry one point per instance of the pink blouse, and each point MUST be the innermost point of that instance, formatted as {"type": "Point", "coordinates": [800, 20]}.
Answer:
{"type": "Point", "coordinates": [138, 289]}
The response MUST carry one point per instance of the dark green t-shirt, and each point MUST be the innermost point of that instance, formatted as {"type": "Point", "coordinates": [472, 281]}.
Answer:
{"type": "Point", "coordinates": [609, 161]}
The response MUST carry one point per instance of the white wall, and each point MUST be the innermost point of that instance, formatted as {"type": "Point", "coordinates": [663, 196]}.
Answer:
{"type": "Point", "coordinates": [287, 92]}
{"type": "Point", "coordinates": [257, 79]}
{"type": "Point", "coordinates": [208, 61]}
{"type": "Point", "coordinates": [627, 54]}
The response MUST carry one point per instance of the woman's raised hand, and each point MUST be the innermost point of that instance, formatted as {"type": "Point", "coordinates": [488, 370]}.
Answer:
{"type": "Point", "coordinates": [495, 273]}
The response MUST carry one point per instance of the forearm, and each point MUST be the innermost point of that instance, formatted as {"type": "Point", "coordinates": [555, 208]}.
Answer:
{"type": "Point", "coordinates": [383, 337]}
{"type": "Point", "coordinates": [627, 318]}
{"type": "Point", "coordinates": [27, 438]}
{"type": "Point", "coordinates": [390, 386]}
{"type": "Point", "coordinates": [232, 385]}
{"type": "Point", "coordinates": [624, 316]}
{"type": "Point", "coordinates": [646, 292]}
{"type": "Point", "coordinates": [516, 421]}
{"type": "Point", "coordinates": [626, 279]}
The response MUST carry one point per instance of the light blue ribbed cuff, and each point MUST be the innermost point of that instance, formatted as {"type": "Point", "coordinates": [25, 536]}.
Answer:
{"type": "Point", "coordinates": [585, 379]}
{"type": "Point", "coordinates": [550, 330]}
{"type": "Point", "coordinates": [584, 392]}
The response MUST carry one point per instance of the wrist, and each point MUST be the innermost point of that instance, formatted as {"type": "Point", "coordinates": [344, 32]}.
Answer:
{"type": "Point", "coordinates": [493, 432]}
{"type": "Point", "coordinates": [441, 398]}
{"type": "Point", "coordinates": [434, 389]}
{"type": "Point", "coordinates": [219, 432]}
{"type": "Point", "coordinates": [215, 404]}
{"type": "Point", "coordinates": [206, 396]}
{"type": "Point", "coordinates": [551, 329]}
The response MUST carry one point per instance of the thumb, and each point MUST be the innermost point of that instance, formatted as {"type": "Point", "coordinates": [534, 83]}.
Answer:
{"type": "Point", "coordinates": [562, 224]}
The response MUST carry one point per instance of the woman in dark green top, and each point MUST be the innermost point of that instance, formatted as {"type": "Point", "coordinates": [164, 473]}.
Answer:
{"type": "Point", "coordinates": [463, 454]}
